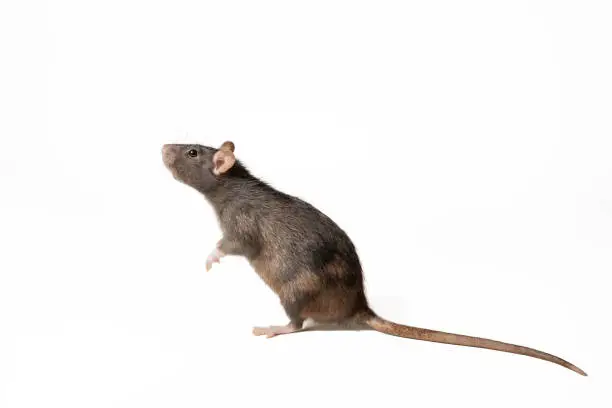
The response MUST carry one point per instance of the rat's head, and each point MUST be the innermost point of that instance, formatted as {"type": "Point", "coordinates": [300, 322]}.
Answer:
{"type": "Point", "coordinates": [198, 166]}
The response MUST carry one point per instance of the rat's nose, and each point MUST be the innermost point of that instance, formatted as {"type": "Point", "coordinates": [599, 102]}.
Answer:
{"type": "Point", "coordinates": [168, 154]}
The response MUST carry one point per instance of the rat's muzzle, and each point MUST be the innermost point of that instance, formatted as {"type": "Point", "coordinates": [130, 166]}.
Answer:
{"type": "Point", "coordinates": [169, 153]}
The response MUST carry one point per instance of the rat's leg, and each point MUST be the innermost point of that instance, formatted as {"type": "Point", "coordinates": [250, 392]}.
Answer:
{"type": "Point", "coordinates": [295, 296]}
{"type": "Point", "coordinates": [214, 257]}
{"type": "Point", "coordinates": [224, 247]}
{"type": "Point", "coordinates": [312, 325]}
{"type": "Point", "coordinates": [272, 331]}
{"type": "Point", "coordinates": [293, 326]}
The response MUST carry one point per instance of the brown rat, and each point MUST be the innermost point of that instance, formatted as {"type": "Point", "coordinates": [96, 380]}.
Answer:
{"type": "Point", "coordinates": [299, 252]}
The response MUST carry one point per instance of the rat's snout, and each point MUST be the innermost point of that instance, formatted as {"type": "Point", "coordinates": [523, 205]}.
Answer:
{"type": "Point", "coordinates": [169, 153]}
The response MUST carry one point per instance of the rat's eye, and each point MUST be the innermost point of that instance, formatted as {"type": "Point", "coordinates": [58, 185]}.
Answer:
{"type": "Point", "coordinates": [192, 153]}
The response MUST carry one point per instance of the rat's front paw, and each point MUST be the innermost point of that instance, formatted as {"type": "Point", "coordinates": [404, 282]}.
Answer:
{"type": "Point", "coordinates": [214, 257]}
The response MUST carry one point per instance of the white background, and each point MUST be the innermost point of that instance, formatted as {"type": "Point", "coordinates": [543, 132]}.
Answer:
{"type": "Point", "coordinates": [465, 147]}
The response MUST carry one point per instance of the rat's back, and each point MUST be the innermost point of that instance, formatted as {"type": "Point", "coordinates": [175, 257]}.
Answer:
{"type": "Point", "coordinates": [290, 224]}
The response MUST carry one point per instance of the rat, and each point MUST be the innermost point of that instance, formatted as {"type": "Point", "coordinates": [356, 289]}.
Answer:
{"type": "Point", "coordinates": [300, 253]}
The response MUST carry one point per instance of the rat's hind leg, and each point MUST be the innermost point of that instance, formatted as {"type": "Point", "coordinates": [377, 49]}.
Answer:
{"type": "Point", "coordinates": [272, 331]}
{"type": "Point", "coordinates": [350, 324]}
{"type": "Point", "coordinates": [293, 307]}
{"type": "Point", "coordinates": [295, 296]}
{"type": "Point", "coordinates": [329, 310]}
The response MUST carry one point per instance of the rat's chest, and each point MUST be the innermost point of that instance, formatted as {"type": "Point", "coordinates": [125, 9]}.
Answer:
{"type": "Point", "coordinates": [268, 273]}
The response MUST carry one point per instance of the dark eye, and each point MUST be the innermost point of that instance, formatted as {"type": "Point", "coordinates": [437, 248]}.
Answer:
{"type": "Point", "coordinates": [192, 153]}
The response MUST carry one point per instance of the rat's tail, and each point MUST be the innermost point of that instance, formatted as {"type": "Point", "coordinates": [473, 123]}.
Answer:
{"type": "Point", "coordinates": [385, 326]}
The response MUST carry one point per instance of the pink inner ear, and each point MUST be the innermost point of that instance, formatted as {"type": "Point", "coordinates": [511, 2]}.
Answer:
{"type": "Point", "coordinates": [218, 161]}
{"type": "Point", "coordinates": [223, 161]}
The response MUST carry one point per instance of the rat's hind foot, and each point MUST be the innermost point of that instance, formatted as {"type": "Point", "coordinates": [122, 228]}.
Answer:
{"type": "Point", "coordinates": [272, 331]}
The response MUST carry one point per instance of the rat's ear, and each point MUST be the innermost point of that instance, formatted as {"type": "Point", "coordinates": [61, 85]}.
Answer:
{"type": "Point", "coordinates": [224, 159]}
{"type": "Point", "coordinates": [228, 146]}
